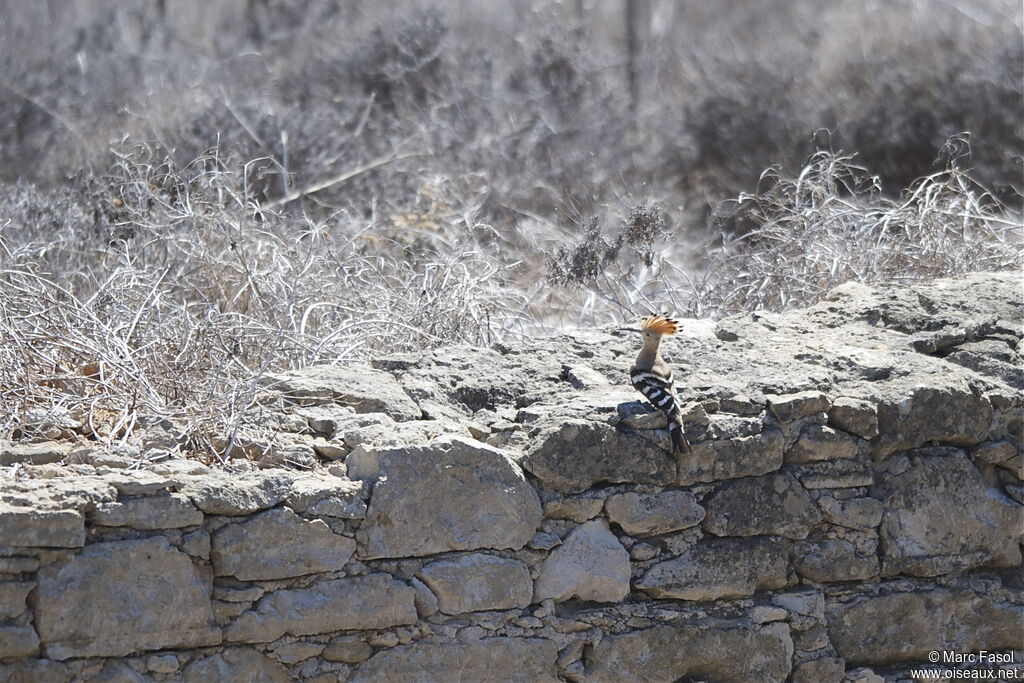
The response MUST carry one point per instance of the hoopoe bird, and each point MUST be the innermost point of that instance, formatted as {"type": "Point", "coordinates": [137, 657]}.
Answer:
{"type": "Point", "coordinates": [652, 377]}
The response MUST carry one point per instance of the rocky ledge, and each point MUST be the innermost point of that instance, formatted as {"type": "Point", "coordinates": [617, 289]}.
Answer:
{"type": "Point", "coordinates": [853, 503]}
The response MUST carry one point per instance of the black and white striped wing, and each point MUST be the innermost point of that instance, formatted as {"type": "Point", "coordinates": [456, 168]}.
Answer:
{"type": "Point", "coordinates": [659, 390]}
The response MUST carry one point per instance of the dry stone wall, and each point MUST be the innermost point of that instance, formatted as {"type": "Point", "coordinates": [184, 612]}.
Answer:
{"type": "Point", "coordinates": [853, 503]}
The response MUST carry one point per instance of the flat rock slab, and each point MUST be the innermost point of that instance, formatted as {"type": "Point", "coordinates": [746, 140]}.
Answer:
{"type": "Point", "coordinates": [278, 544]}
{"type": "Point", "coordinates": [906, 626]}
{"type": "Point", "coordinates": [572, 454]}
{"type": "Point", "coordinates": [645, 514]}
{"type": "Point", "coordinates": [518, 660]}
{"type": "Point", "coordinates": [364, 602]}
{"type": "Point", "coordinates": [236, 665]}
{"type": "Point", "coordinates": [451, 495]}
{"type": "Point", "coordinates": [476, 582]}
{"type": "Point", "coordinates": [115, 599]}
{"type": "Point", "coordinates": [34, 528]}
{"type": "Point", "coordinates": [717, 568]}
{"type": "Point", "coordinates": [363, 389]}
{"type": "Point", "coordinates": [941, 517]}
{"type": "Point", "coordinates": [744, 456]}
{"type": "Point", "coordinates": [157, 512]}
{"type": "Point", "coordinates": [773, 504]}
{"type": "Point", "coordinates": [726, 651]}
{"type": "Point", "coordinates": [590, 564]}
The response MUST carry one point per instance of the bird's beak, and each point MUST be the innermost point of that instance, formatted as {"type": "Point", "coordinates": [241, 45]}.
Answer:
{"type": "Point", "coordinates": [628, 329]}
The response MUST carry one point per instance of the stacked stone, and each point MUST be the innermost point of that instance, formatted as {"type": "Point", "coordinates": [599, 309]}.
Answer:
{"type": "Point", "coordinates": [852, 503]}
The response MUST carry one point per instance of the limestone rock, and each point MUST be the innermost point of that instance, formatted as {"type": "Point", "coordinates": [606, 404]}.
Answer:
{"type": "Point", "coordinates": [364, 602]}
{"type": "Point", "coordinates": [197, 544]}
{"type": "Point", "coordinates": [17, 641]}
{"type": "Point", "coordinates": [940, 517]}
{"type": "Point", "coordinates": [718, 568]}
{"type": "Point", "coordinates": [33, 453]}
{"type": "Point", "coordinates": [236, 665]}
{"type": "Point", "coordinates": [157, 512]}
{"type": "Point", "coordinates": [894, 627]}
{"type": "Point", "coordinates": [425, 600]}
{"type": "Point", "coordinates": [363, 389]}
{"type": "Point", "coordinates": [18, 565]}
{"type": "Point", "coordinates": [823, 670]}
{"type": "Point", "coordinates": [722, 651]}
{"type": "Point", "coordinates": [348, 649]}
{"type": "Point", "coordinates": [771, 504]}
{"type": "Point", "coordinates": [224, 493]}
{"type": "Point", "coordinates": [946, 411]}
{"type": "Point", "coordinates": [576, 508]}
{"type": "Point", "coordinates": [517, 660]}
{"type": "Point", "coordinates": [277, 544]}
{"type": "Point", "coordinates": [818, 442]}
{"type": "Point", "coordinates": [571, 454]}
{"type": "Point", "coordinates": [454, 495]}
{"type": "Point", "coordinates": [790, 407]}
{"type": "Point", "coordinates": [117, 598]}
{"type": "Point", "coordinates": [654, 513]}
{"type": "Point", "coordinates": [320, 495]}
{"type": "Point", "coordinates": [476, 582]}
{"type": "Point", "coordinates": [35, 528]}
{"type": "Point", "coordinates": [590, 564]}
{"type": "Point", "coordinates": [854, 415]}
{"type": "Point", "coordinates": [855, 513]}
{"type": "Point", "coordinates": [415, 432]}
{"type": "Point", "coordinates": [826, 560]}
{"type": "Point", "coordinates": [12, 598]}
{"type": "Point", "coordinates": [745, 456]}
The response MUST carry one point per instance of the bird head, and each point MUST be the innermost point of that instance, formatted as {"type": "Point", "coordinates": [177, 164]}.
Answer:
{"type": "Point", "coordinates": [655, 326]}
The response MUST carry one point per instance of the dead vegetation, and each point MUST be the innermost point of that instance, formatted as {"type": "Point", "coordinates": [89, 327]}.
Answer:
{"type": "Point", "coordinates": [197, 198]}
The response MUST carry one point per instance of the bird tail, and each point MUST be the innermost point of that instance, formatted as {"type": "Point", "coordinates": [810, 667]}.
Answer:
{"type": "Point", "coordinates": [680, 446]}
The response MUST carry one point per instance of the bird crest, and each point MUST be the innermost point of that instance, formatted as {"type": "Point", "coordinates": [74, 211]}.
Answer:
{"type": "Point", "coordinates": [659, 324]}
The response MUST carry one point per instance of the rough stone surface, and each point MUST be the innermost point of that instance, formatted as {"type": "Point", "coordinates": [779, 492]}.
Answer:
{"type": "Point", "coordinates": [366, 602]}
{"type": "Point", "coordinates": [526, 660]}
{"type": "Point", "coordinates": [712, 651]}
{"type": "Point", "coordinates": [823, 670]}
{"type": "Point", "coordinates": [12, 598]}
{"type": "Point", "coordinates": [792, 407]}
{"type": "Point", "coordinates": [28, 527]}
{"type": "Point", "coordinates": [590, 564]}
{"type": "Point", "coordinates": [941, 516]}
{"type": "Point", "coordinates": [576, 508]}
{"type": "Point", "coordinates": [907, 626]}
{"type": "Point", "coordinates": [362, 389]}
{"type": "Point", "coordinates": [486, 501]}
{"type": "Point", "coordinates": [570, 451]}
{"type": "Point", "coordinates": [236, 665]}
{"type": "Point", "coordinates": [277, 544]}
{"type": "Point", "coordinates": [818, 442]}
{"type": "Point", "coordinates": [772, 504]}
{"type": "Point", "coordinates": [854, 415]}
{"type": "Point", "coordinates": [158, 512]}
{"type": "Point", "coordinates": [719, 568]}
{"type": "Point", "coordinates": [644, 514]}
{"type": "Point", "coordinates": [854, 513]}
{"type": "Point", "coordinates": [224, 493]}
{"type": "Point", "coordinates": [476, 582]}
{"type": "Point", "coordinates": [827, 560]}
{"type": "Point", "coordinates": [948, 411]}
{"type": "Point", "coordinates": [117, 598]}
{"type": "Point", "coordinates": [860, 464]}
{"type": "Point", "coordinates": [17, 641]}
{"type": "Point", "coordinates": [745, 456]}
{"type": "Point", "coordinates": [348, 649]}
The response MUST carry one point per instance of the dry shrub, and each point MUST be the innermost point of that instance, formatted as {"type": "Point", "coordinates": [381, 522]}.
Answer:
{"type": "Point", "coordinates": [804, 235]}
{"type": "Point", "coordinates": [186, 293]}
